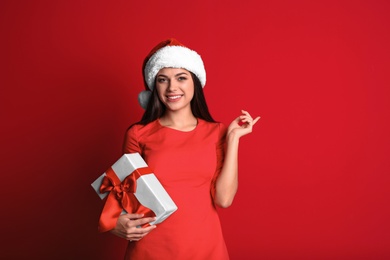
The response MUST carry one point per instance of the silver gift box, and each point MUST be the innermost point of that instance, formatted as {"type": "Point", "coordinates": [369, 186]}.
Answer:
{"type": "Point", "coordinates": [150, 193]}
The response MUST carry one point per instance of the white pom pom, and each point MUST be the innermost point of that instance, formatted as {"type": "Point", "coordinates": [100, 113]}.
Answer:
{"type": "Point", "coordinates": [144, 97]}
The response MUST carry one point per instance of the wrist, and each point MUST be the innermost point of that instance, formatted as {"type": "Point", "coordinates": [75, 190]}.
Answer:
{"type": "Point", "coordinates": [232, 138]}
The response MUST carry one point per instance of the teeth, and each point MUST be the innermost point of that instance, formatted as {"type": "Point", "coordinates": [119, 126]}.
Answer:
{"type": "Point", "coordinates": [174, 97]}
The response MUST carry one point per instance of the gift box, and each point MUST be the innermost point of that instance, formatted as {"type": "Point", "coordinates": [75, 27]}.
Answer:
{"type": "Point", "coordinates": [131, 186]}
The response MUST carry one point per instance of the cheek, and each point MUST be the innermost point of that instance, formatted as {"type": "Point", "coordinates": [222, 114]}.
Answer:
{"type": "Point", "coordinates": [192, 94]}
{"type": "Point", "coordinates": [159, 90]}
{"type": "Point", "coordinates": [190, 90]}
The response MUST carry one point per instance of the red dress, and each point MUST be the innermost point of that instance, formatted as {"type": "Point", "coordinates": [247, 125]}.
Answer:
{"type": "Point", "coordinates": [186, 164]}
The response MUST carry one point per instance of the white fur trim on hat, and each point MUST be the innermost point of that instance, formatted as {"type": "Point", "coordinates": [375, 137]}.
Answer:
{"type": "Point", "coordinates": [174, 57]}
{"type": "Point", "coordinates": [144, 97]}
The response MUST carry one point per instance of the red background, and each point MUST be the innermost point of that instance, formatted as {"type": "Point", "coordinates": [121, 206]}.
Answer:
{"type": "Point", "coordinates": [314, 175]}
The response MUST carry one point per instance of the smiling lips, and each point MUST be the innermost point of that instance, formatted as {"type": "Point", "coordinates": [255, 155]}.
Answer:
{"type": "Point", "coordinates": [174, 98]}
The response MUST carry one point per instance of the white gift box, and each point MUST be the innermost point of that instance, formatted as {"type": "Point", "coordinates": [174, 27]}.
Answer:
{"type": "Point", "coordinates": [150, 193]}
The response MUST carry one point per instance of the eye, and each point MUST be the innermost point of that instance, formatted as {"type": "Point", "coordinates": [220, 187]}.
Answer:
{"type": "Point", "coordinates": [161, 80]}
{"type": "Point", "coordinates": [181, 78]}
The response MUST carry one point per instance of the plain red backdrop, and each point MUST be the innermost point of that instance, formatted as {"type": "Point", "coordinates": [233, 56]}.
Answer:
{"type": "Point", "coordinates": [314, 175]}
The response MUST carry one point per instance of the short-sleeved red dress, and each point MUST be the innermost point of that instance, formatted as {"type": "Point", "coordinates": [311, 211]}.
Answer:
{"type": "Point", "coordinates": [186, 164]}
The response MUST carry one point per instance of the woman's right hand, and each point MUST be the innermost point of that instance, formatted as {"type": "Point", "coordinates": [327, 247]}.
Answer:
{"type": "Point", "coordinates": [128, 226]}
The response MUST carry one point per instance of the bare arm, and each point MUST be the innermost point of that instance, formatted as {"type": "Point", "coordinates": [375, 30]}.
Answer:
{"type": "Point", "coordinates": [227, 181]}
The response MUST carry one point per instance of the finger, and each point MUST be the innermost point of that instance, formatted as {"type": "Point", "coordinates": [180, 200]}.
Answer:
{"type": "Point", "coordinates": [256, 119]}
{"type": "Point", "coordinates": [138, 233]}
{"type": "Point", "coordinates": [137, 237]}
{"type": "Point", "coordinates": [244, 112]}
{"type": "Point", "coordinates": [249, 116]}
{"type": "Point", "coordinates": [142, 221]}
{"type": "Point", "coordinates": [133, 237]}
{"type": "Point", "coordinates": [245, 116]}
{"type": "Point", "coordinates": [147, 229]}
{"type": "Point", "coordinates": [141, 230]}
{"type": "Point", "coordinates": [133, 216]}
{"type": "Point", "coordinates": [246, 119]}
{"type": "Point", "coordinates": [237, 119]}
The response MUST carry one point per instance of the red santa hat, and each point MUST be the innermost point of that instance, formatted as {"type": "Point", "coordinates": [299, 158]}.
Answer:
{"type": "Point", "coordinates": [169, 54]}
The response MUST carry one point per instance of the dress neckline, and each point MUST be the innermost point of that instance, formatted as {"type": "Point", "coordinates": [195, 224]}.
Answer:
{"type": "Point", "coordinates": [177, 130]}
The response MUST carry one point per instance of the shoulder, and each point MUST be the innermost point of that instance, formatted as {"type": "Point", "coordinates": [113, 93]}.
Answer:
{"type": "Point", "coordinates": [138, 130]}
{"type": "Point", "coordinates": [216, 127]}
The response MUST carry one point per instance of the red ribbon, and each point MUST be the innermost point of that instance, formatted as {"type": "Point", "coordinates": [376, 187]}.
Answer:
{"type": "Point", "coordinates": [121, 196]}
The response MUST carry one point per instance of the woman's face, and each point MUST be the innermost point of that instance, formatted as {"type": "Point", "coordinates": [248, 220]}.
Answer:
{"type": "Point", "coordinates": [175, 88]}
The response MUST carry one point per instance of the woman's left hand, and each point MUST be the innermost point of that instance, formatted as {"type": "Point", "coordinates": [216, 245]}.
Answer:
{"type": "Point", "coordinates": [242, 125]}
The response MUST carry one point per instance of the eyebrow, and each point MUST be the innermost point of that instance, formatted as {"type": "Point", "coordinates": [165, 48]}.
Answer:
{"type": "Point", "coordinates": [178, 74]}
{"type": "Point", "coordinates": [181, 73]}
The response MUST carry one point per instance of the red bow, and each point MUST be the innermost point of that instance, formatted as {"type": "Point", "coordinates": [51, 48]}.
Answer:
{"type": "Point", "coordinates": [121, 196]}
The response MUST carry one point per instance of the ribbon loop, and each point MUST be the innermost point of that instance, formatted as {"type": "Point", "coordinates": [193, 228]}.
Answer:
{"type": "Point", "coordinates": [121, 196]}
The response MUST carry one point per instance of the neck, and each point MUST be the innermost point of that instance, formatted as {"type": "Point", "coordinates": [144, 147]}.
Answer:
{"type": "Point", "coordinates": [179, 120]}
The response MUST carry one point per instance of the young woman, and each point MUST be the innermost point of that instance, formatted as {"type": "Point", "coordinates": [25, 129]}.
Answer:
{"type": "Point", "coordinates": [193, 156]}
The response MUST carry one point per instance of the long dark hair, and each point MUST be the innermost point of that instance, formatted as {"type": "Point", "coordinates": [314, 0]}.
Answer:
{"type": "Point", "coordinates": [156, 108]}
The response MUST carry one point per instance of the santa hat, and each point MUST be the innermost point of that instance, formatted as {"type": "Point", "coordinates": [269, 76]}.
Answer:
{"type": "Point", "coordinates": [169, 54]}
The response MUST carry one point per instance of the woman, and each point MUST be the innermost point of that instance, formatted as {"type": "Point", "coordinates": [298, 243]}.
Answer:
{"type": "Point", "coordinates": [194, 158]}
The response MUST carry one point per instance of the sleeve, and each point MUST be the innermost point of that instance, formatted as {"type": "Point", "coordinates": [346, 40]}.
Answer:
{"type": "Point", "coordinates": [131, 144]}
{"type": "Point", "coordinates": [220, 151]}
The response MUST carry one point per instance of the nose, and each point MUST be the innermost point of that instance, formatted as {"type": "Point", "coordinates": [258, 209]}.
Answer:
{"type": "Point", "coordinates": [172, 86]}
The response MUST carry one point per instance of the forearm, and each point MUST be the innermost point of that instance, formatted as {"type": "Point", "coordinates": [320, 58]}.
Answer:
{"type": "Point", "coordinates": [227, 181]}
